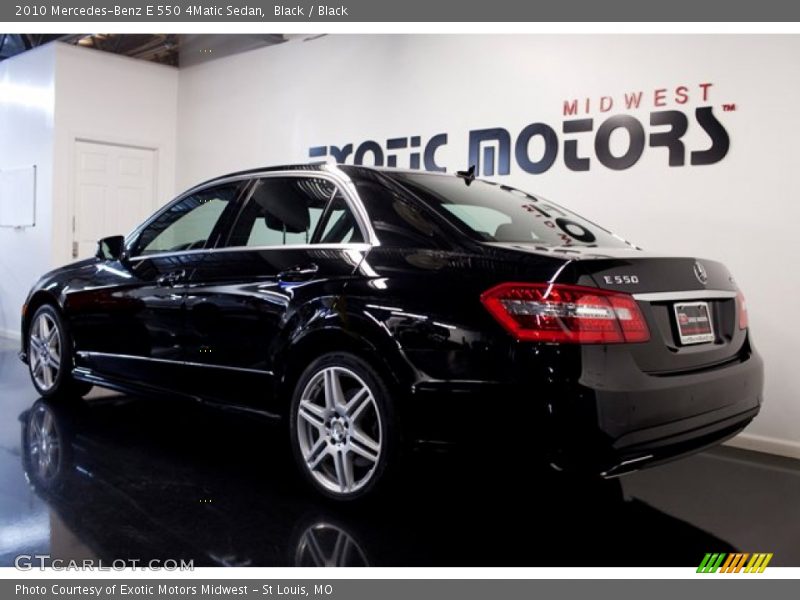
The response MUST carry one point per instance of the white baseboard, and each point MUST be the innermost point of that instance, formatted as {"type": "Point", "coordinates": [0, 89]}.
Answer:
{"type": "Point", "coordinates": [762, 443]}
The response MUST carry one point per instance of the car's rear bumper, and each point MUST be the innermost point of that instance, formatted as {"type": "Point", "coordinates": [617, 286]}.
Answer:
{"type": "Point", "coordinates": [625, 419]}
{"type": "Point", "coordinates": [626, 459]}
{"type": "Point", "coordinates": [600, 418]}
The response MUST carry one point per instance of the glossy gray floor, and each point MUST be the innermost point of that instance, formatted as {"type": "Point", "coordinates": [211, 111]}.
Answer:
{"type": "Point", "coordinates": [142, 480]}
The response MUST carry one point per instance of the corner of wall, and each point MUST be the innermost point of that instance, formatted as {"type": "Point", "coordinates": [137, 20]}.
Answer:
{"type": "Point", "coordinates": [28, 121]}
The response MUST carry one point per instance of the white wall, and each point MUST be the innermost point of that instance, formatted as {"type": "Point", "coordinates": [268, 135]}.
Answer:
{"type": "Point", "coordinates": [270, 105]}
{"type": "Point", "coordinates": [50, 97]}
{"type": "Point", "coordinates": [27, 97]}
{"type": "Point", "coordinates": [107, 98]}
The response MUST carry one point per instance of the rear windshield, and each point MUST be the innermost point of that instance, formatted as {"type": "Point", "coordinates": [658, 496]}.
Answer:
{"type": "Point", "coordinates": [497, 213]}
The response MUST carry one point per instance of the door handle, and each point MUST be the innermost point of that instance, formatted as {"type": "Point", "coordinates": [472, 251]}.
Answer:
{"type": "Point", "coordinates": [299, 272]}
{"type": "Point", "coordinates": [171, 279]}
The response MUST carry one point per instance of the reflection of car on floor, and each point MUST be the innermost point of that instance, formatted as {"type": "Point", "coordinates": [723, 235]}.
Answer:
{"type": "Point", "coordinates": [189, 493]}
{"type": "Point", "coordinates": [375, 310]}
{"type": "Point", "coordinates": [123, 502]}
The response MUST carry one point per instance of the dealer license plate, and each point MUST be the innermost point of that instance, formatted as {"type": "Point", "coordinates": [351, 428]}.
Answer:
{"type": "Point", "coordinates": [694, 323]}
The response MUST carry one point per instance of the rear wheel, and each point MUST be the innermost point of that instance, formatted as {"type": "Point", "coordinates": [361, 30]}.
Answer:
{"type": "Point", "coordinates": [341, 428]}
{"type": "Point", "coordinates": [50, 356]}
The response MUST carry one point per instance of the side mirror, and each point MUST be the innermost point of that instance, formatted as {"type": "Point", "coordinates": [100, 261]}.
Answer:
{"type": "Point", "coordinates": [111, 248]}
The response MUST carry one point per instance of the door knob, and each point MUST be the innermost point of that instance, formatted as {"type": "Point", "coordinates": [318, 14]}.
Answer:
{"type": "Point", "coordinates": [171, 279]}
{"type": "Point", "coordinates": [299, 272]}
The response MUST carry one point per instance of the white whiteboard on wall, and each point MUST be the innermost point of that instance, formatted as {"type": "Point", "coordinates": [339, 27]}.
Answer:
{"type": "Point", "coordinates": [18, 197]}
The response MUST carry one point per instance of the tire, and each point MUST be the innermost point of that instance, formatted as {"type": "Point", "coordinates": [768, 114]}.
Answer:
{"type": "Point", "coordinates": [342, 427]}
{"type": "Point", "coordinates": [50, 357]}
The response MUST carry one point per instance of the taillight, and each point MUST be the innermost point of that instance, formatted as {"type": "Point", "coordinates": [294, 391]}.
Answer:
{"type": "Point", "coordinates": [741, 307]}
{"type": "Point", "coordinates": [542, 312]}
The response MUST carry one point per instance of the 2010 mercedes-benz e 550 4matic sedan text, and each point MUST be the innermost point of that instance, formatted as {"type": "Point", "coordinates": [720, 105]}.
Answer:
{"type": "Point", "coordinates": [376, 310]}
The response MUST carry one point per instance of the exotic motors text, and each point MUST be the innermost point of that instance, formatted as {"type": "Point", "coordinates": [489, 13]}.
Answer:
{"type": "Point", "coordinates": [586, 140]}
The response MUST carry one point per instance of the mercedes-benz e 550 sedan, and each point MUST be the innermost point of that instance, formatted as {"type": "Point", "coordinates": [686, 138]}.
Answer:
{"type": "Point", "coordinates": [374, 311]}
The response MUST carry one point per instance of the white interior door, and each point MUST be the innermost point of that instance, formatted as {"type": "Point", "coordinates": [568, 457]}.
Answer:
{"type": "Point", "coordinates": [114, 192]}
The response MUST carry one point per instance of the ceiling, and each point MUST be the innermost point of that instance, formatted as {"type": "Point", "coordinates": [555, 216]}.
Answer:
{"type": "Point", "coordinates": [177, 50]}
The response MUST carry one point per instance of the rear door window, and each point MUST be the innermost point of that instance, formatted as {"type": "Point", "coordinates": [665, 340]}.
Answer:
{"type": "Point", "coordinates": [291, 211]}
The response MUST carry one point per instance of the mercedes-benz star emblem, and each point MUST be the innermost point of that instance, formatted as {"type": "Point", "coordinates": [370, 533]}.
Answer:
{"type": "Point", "coordinates": [700, 272]}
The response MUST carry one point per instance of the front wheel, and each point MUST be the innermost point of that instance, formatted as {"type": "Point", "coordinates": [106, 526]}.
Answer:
{"type": "Point", "coordinates": [50, 356]}
{"type": "Point", "coordinates": [341, 427]}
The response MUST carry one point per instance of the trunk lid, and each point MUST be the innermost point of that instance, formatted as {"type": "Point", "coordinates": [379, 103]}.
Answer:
{"type": "Point", "coordinates": [659, 283]}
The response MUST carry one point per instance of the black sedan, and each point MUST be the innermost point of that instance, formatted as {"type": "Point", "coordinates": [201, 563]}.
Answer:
{"type": "Point", "coordinates": [379, 311]}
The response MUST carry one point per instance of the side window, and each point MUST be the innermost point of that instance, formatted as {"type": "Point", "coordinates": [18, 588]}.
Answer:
{"type": "Point", "coordinates": [340, 226]}
{"type": "Point", "coordinates": [187, 224]}
{"type": "Point", "coordinates": [286, 211]}
{"type": "Point", "coordinates": [398, 222]}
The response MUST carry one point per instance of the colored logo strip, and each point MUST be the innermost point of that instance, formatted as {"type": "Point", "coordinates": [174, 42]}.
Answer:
{"type": "Point", "coordinates": [735, 562]}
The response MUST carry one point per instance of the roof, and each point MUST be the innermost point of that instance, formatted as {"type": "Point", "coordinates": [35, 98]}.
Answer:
{"type": "Point", "coordinates": [314, 166]}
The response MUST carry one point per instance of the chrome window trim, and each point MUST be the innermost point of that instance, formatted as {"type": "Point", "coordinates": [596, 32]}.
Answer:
{"type": "Point", "coordinates": [685, 295]}
{"type": "Point", "coordinates": [90, 354]}
{"type": "Point", "coordinates": [360, 247]}
{"type": "Point", "coordinates": [328, 172]}
{"type": "Point", "coordinates": [354, 200]}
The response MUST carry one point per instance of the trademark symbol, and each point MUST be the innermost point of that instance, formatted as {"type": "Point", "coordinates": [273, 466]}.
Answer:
{"type": "Point", "coordinates": [728, 107]}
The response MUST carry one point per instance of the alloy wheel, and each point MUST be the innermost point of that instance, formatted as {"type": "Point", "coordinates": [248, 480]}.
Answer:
{"type": "Point", "coordinates": [339, 430]}
{"type": "Point", "coordinates": [45, 351]}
